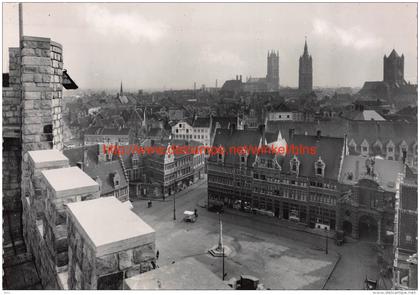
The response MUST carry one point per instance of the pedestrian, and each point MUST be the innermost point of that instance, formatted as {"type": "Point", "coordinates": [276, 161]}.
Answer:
{"type": "Point", "coordinates": [157, 254]}
{"type": "Point", "coordinates": [195, 213]}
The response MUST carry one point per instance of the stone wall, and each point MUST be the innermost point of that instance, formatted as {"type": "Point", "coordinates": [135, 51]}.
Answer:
{"type": "Point", "coordinates": [96, 265]}
{"type": "Point", "coordinates": [45, 219]}
{"type": "Point", "coordinates": [33, 217]}
{"type": "Point", "coordinates": [89, 272]}
{"type": "Point", "coordinates": [12, 207]}
{"type": "Point", "coordinates": [56, 80]}
{"type": "Point", "coordinates": [40, 71]}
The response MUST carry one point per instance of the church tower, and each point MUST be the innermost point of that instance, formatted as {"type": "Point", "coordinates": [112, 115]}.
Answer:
{"type": "Point", "coordinates": [273, 71]}
{"type": "Point", "coordinates": [305, 71]}
{"type": "Point", "coordinates": [394, 69]}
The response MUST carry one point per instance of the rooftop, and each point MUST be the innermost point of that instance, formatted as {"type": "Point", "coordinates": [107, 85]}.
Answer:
{"type": "Point", "coordinates": [110, 226]}
{"type": "Point", "coordinates": [70, 181]}
{"type": "Point", "coordinates": [187, 274]}
{"type": "Point", "coordinates": [94, 168]}
{"type": "Point", "coordinates": [386, 171]}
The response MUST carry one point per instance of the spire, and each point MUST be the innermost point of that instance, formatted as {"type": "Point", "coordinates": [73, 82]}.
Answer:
{"type": "Point", "coordinates": [121, 89]}
{"type": "Point", "coordinates": [305, 49]}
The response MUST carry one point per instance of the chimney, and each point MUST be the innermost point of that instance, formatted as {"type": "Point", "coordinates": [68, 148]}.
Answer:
{"type": "Point", "coordinates": [318, 134]}
{"type": "Point", "coordinates": [237, 78]}
{"type": "Point", "coordinates": [240, 78]}
{"type": "Point", "coordinates": [291, 133]}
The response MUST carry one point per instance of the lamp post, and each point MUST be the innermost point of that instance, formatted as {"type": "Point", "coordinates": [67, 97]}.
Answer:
{"type": "Point", "coordinates": [174, 208]}
{"type": "Point", "coordinates": [326, 242]}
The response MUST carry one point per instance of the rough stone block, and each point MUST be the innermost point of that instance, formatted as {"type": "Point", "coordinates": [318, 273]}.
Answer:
{"type": "Point", "coordinates": [125, 259]}
{"type": "Point", "coordinates": [143, 253]}
{"type": "Point", "coordinates": [106, 264]}
{"type": "Point", "coordinates": [35, 60]}
{"type": "Point", "coordinates": [32, 95]}
{"type": "Point", "coordinates": [132, 271]}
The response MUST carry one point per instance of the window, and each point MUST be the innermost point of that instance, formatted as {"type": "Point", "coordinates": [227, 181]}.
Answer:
{"type": "Point", "coordinates": [294, 165]}
{"type": "Point", "coordinates": [319, 167]}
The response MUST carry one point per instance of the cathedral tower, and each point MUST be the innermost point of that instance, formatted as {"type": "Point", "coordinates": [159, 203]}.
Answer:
{"type": "Point", "coordinates": [305, 71]}
{"type": "Point", "coordinates": [394, 69]}
{"type": "Point", "coordinates": [273, 71]}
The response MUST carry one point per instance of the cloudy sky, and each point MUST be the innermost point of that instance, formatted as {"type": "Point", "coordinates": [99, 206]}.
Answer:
{"type": "Point", "coordinates": [161, 45]}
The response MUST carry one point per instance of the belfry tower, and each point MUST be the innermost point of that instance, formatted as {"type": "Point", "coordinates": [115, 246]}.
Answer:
{"type": "Point", "coordinates": [305, 71]}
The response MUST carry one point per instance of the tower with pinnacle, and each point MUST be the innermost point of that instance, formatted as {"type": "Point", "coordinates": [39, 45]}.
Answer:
{"type": "Point", "coordinates": [272, 78]}
{"type": "Point", "coordinates": [305, 71]}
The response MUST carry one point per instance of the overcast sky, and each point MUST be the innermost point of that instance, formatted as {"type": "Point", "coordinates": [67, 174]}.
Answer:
{"type": "Point", "coordinates": [154, 45]}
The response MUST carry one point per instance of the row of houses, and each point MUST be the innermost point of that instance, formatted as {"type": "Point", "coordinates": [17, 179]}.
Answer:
{"type": "Point", "coordinates": [329, 189]}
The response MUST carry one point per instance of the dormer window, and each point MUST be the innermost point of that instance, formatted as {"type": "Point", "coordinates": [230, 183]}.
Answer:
{"type": "Point", "coordinates": [319, 167]}
{"type": "Point", "coordinates": [365, 148]}
{"type": "Point", "coordinates": [294, 165]}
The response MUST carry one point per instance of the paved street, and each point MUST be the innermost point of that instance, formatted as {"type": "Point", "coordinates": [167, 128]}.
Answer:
{"type": "Point", "coordinates": [281, 258]}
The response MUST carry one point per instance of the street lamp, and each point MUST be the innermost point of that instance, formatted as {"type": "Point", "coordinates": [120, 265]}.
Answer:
{"type": "Point", "coordinates": [326, 242]}
{"type": "Point", "coordinates": [174, 208]}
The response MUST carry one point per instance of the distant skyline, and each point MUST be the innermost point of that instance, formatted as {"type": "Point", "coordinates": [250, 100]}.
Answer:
{"type": "Point", "coordinates": [173, 45]}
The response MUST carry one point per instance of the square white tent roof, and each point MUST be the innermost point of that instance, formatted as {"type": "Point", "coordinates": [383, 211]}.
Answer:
{"type": "Point", "coordinates": [109, 225]}
{"type": "Point", "coordinates": [70, 181]}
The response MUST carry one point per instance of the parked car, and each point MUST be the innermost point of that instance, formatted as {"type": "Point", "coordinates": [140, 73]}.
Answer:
{"type": "Point", "coordinates": [189, 216]}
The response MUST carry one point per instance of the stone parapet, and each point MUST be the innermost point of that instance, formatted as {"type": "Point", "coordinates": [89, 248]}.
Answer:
{"type": "Point", "coordinates": [107, 243]}
{"type": "Point", "coordinates": [51, 185]}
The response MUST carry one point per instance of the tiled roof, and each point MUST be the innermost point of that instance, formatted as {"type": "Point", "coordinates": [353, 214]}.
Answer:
{"type": "Point", "coordinates": [202, 122]}
{"type": "Point", "coordinates": [367, 115]}
{"type": "Point", "coordinates": [224, 122]}
{"type": "Point", "coordinates": [234, 138]}
{"type": "Point", "coordinates": [232, 85]}
{"type": "Point", "coordinates": [107, 131]}
{"type": "Point", "coordinates": [357, 130]}
{"type": "Point", "coordinates": [386, 171]}
{"type": "Point", "coordinates": [103, 170]}
{"type": "Point", "coordinates": [329, 149]}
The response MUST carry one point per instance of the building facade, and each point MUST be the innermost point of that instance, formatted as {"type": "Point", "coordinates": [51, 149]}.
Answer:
{"type": "Point", "coordinates": [329, 189]}
{"type": "Point", "coordinates": [299, 188]}
{"type": "Point", "coordinates": [100, 135]}
{"type": "Point", "coordinates": [163, 173]}
{"type": "Point", "coordinates": [199, 130]}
